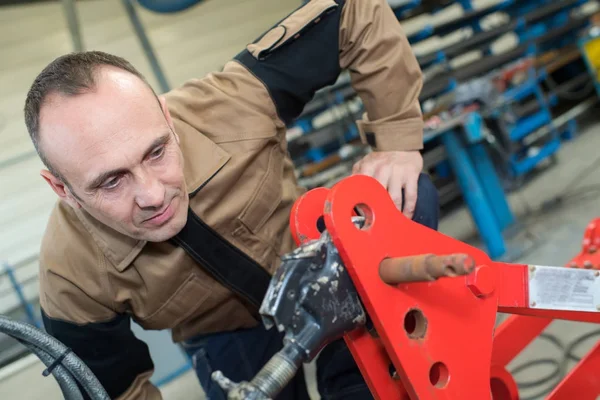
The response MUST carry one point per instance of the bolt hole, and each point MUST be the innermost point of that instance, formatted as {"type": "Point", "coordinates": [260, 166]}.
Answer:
{"type": "Point", "coordinates": [439, 375]}
{"type": "Point", "coordinates": [499, 389]}
{"type": "Point", "coordinates": [321, 224]}
{"type": "Point", "coordinates": [415, 324]}
{"type": "Point", "coordinates": [392, 371]}
{"type": "Point", "coordinates": [362, 210]}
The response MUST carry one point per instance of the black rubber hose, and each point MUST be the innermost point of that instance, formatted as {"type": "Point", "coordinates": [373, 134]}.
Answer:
{"type": "Point", "coordinates": [554, 376]}
{"type": "Point", "coordinates": [33, 336]}
{"type": "Point", "coordinates": [560, 366]}
{"type": "Point", "coordinates": [65, 380]}
{"type": "Point", "coordinates": [569, 355]}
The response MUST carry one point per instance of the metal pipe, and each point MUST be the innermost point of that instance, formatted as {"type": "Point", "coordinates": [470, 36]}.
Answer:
{"type": "Point", "coordinates": [21, 296]}
{"type": "Point", "coordinates": [73, 23]}
{"type": "Point", "coordinates": [269, 381]}
{"type": "Point", "coordinates": [146, 46]}
{"type": "Point", "coordinates": [425, 267]}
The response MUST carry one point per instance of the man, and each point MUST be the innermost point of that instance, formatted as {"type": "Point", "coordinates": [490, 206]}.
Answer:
{"type": "Point", "coordinates": [173, 210]}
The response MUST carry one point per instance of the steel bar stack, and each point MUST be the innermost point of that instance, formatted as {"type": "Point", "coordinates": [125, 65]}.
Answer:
{"type": "Point", "coordinates": [516, 63]}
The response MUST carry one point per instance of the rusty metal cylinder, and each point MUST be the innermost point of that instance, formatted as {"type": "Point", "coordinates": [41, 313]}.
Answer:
{"type": "Point", "coordinates": [425, 267]}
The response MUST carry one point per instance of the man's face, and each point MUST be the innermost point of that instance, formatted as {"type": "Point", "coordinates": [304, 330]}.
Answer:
{"type": "Point", "coordinates": [117, 149]}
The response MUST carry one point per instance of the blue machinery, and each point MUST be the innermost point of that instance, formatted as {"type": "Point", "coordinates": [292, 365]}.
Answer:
{"type": "Point", "coordinates": [531, 134]}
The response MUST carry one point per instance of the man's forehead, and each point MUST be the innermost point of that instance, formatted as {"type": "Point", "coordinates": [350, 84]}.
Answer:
{"type": "Point", "coordinates": [116, 92]}
{"type": "Point", "coordinates": [121, 111]}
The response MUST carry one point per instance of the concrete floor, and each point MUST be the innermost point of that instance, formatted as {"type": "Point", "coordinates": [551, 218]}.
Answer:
{"type": "Point", "coordinates": [552, 238]}
{"type": "Point", "coordinates": [190, 45]}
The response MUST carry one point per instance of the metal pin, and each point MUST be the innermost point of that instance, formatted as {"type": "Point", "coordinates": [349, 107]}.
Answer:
{"type": "Point", "coordinates": [425, 267]}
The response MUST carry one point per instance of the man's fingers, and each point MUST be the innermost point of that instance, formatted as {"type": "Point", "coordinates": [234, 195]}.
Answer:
{"type": "Point", "coordinates": [410, 195]}
{"type": "Point", "coordinates": [383, 174]}
{"type": "Point", "coordinates": [365, 168]}
{"type": "Point", "coordinates": [396, 184]}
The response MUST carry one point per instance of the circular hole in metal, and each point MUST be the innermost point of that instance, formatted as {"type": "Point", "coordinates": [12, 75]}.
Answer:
{"type": "Point", "coordinates": [415, 324]}
{"type": "Point", "coordinates": [321, 224]}
{"type": "Point", "coordinates": [499, 389]}
{"type": "Point", "coordinates": [365, 214]}
{"type": "Point", "coordinates": [439, 375]}
{"type": "Point", "coordinates": [392, 371]}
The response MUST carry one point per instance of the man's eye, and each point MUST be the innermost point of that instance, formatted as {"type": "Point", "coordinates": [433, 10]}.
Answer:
{"type": "Point", "coordinates": [157, 153]}
{"type": "Point", "coordinates": [111, 183]}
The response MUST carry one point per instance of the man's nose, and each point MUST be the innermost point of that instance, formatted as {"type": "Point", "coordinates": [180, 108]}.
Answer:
{"type": "Point", "coordinates": [150, 192]}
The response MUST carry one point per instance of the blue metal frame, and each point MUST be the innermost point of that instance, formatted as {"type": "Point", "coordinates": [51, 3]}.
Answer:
{"type": "Point", "coordinates": [486, 171]}
{"type": "Point", "coordinates": [474, 193]}
{"type": "Point", "coordinates": [27, 306]}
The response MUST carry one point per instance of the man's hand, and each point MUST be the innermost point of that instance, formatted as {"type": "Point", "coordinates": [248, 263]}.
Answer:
{"type": "Point", "coordinates": [395, 170]}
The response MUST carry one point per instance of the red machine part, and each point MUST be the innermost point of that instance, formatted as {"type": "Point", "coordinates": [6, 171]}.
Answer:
{"type": "Point", "coordinates": [438, 335]}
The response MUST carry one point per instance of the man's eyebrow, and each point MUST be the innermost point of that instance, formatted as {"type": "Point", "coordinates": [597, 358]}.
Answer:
{"type": "Point", "coordinates": [108, 174]}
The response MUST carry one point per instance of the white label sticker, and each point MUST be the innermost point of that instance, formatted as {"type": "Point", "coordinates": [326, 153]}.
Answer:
{"type": "Point", "coordinates": [559, 288]}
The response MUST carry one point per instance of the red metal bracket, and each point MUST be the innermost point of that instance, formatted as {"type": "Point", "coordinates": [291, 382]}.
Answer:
{"type": "Point", "coordinates": [438, 335]}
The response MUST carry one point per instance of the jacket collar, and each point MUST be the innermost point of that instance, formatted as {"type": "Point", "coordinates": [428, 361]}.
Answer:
{"type": "Point", "coordinates": [202, 160]}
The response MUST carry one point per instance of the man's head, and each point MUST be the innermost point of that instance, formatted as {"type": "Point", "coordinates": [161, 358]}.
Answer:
{"type": "Point", "coordinates": [109, 144]}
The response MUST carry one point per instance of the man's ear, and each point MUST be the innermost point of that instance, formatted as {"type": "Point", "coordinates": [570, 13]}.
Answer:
{"type": "Point", "coordinates": [60, 188]}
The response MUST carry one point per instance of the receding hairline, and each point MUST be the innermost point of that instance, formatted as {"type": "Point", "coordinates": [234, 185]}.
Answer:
{"type": "Point", "coordinates": [67, 76]}
{"type": "Point", "coordinates": [55, 96]}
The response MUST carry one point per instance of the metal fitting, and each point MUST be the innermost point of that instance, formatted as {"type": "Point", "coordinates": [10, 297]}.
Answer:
{"type": "Point", "coordinates": [482, 282]}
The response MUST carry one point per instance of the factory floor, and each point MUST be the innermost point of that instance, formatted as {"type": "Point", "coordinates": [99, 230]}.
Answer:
{"type": "Point", "coordinates": [32, 35]}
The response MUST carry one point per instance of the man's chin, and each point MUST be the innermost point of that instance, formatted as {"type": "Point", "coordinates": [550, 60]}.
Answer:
{"type": "Point", "coordinates": [165, 232]}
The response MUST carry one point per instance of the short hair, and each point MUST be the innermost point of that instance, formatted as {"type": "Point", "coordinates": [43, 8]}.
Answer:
{"type": "Point", "coordinates": [68, 75]}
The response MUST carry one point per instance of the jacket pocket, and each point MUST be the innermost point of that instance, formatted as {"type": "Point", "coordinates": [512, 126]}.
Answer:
{"type": "Point", "coordinates": [291, 28]}
{"type": "Point", "coordinates": [267, 195]}
{"type": "Point", "coordinates": [186, 300]}
{"type": "Point", "coordinates": [254, 230]}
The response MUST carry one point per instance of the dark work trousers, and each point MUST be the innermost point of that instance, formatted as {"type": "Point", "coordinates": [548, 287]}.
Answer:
{"type": "Point", "coordinates": [241, 354]}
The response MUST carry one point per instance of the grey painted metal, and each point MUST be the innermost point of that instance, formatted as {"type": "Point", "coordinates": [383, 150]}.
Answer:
{"type": "Point", "coordinates": [73, 23]}
{"type": "Point", "coordinates": [146, 45]}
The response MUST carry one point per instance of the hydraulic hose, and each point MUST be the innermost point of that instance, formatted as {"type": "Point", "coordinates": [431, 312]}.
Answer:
{"type": "Point", "coordinates": [65, 380]}
{"type": "Point", "coordinates": [67, 368]}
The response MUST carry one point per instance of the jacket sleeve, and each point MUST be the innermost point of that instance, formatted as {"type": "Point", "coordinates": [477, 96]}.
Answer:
{"type": "Point", "coordinates": [309, 48]}
{"type": "Point", "coordinates": [102, 339]}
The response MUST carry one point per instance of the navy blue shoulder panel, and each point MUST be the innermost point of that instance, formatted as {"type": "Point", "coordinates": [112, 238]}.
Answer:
{"type": "Point", "coordinates": [110, 349]}
{"type": "Point", "coordinates": [295, 70]}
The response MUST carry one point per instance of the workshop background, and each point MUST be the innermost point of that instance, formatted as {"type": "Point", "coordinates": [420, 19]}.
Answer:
{"type": "Point", "coordinates": [510, 102]}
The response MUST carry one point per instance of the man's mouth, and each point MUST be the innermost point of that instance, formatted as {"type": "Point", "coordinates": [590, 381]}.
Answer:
{"type": "Point", "coordinates": [162, 217]}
